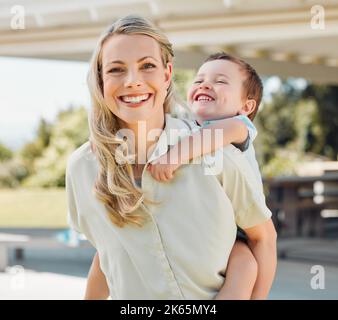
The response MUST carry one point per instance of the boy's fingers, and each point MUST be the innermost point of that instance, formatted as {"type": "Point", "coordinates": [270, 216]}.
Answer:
{"type": "Point", "coordinates": [169, 176]}
{"type": "Point", "coordinates": [163, 176]}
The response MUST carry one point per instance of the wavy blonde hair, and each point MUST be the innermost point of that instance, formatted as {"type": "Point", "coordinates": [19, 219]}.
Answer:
{"type": "Point", "coordinates": [115, 184]}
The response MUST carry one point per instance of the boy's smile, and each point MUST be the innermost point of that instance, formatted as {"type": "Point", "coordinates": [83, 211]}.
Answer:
{"type": "Point", "coordinates": [203, 97]}
{"type": "Point", "coordinates": [217, 90]}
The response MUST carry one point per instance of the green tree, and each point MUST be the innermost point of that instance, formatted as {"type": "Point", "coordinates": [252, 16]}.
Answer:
{"type": "Point", "coordinates": [323, 131]}
{"type": "Point", "coordinates": [276, 122]}
{"type": "Point", "coordinates": [68, 132]}
{"type": "Point", "coordinates": [296, 125]}
{"type": "Point", "coordinates": [5, 153]}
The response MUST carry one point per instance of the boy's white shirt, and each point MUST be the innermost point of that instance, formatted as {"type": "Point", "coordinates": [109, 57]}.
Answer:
{"type": "Point", "coordinates": [250, 151]}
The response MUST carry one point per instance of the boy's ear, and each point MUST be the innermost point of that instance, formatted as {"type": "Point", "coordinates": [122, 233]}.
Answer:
{"type": "Point", "coordinates": [248, 107]}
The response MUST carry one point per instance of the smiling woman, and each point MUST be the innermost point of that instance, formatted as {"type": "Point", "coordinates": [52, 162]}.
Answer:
{"type": "Point", "coordinates": [154, 240]}
{"type": "Point", "coordinates": [131, 80]}
{"type": "Point", "coordinates": [125, 77]}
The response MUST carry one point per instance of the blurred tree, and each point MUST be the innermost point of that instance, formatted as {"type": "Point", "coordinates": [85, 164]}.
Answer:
{"type": "Point", "coordinates": [182, 80]}
{"type": "Point", "coordinates": [276, 122]}
{"type": "Point", "coordinates": [69, 132]}
{"type": "Point", "coordinates": [33, 150]}
{"type": "Point", "coordinates": [5, 153]}
{"type": "Point", "coordinates": [294, 124]}
{"type": "Point", "coordinates": [323, 130]}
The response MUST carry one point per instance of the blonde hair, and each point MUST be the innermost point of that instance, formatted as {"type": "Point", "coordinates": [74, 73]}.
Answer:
{"type": "Point", "coordinates": [115, 184]}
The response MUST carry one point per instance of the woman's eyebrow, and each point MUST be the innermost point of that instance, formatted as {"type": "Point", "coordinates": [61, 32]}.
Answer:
{"type": "Point", "coordinates": [138, 61]}
{"type": "Point", "coordinates": [146, 57]}
{"type": "Point", "coordinates": [113, 62]}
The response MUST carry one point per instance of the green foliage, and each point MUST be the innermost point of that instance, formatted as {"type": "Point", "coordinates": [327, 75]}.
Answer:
{"type": "Point", "coordinates": [69, 132]}
{"type": "Point", "coordinates": [182, 80]}
{"type": "Point", "coordinates": [5, 153]}
{"type": "Point", "coordinates": [295, 124]}
{"type": "Point", "coordinates": [323, 136]}
{"type": "Point", "coordinates": [12, 173]}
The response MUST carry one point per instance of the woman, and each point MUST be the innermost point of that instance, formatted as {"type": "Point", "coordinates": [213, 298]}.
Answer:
{"type": "Point", "coordinates": [154, 240]}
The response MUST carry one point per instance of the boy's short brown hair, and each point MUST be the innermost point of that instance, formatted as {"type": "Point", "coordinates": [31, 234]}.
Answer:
{"type": "Point", "coordinates": [252, 85]}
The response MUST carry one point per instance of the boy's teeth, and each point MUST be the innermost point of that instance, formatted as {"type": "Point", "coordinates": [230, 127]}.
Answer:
{"type": "Point", "coordinates": [135, 99]}
{"type": "Point", "coordinates": [204, 98]}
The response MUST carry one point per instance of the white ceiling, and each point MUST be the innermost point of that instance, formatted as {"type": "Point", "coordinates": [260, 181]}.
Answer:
{"type": "Point", "coordinates": [275, 36]}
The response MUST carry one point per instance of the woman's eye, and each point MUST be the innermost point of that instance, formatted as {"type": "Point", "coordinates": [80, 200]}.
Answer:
{"type": "Point", "coordinates": [116, 70]}
{"type": "Point", "coordinates": [148, 66]}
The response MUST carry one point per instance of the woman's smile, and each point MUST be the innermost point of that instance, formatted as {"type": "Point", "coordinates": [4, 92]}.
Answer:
{"type": "Point", "coordinates": [135, 100]}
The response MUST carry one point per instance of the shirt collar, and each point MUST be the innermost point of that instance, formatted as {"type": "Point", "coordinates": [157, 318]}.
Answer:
{"type": "Point", "coordinates": [173, 130]}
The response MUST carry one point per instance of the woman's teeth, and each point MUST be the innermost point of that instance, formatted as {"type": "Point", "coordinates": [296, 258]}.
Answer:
{"type": "Point", "coordinates": [135, 99]}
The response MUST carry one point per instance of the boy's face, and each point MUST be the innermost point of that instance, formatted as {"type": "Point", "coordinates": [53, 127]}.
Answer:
{"type": "Point", "coordinates": [217, 90]}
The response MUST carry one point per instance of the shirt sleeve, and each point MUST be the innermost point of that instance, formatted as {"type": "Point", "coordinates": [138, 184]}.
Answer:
{"type": "Point", "coordinates": [249, 124]}
{"type": "Point", "coordinates": [244, 145]}
{"type": "Point", "coordinates": [73, 215]}
{"type": "Point", "coordinates": [240, 185]}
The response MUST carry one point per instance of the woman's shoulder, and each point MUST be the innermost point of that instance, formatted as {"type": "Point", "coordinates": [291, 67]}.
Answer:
{"type": "Point", "coordinates": [82, 156]}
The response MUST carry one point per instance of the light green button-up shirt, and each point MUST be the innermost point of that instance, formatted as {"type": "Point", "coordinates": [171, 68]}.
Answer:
{"type": "Point", "coordinates": [182, 252]}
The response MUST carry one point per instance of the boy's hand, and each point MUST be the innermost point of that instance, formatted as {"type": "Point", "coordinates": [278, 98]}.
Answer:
{"type": "Point", "coordinates": [161, 169]}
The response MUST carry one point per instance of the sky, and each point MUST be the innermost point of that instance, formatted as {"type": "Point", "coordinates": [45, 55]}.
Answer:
{"type": "Point", "coordinates": [31, 89]}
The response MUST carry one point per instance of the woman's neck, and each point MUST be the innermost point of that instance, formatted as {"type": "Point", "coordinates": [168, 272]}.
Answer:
{"type": "Point", "coordinates": [146, 134]}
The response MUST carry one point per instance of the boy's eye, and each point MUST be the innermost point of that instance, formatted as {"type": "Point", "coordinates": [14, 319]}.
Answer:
{"type": "Point", "coordinates": [222, 81]}
{"type": "Point", "coordinates": [148, 65]}
{"type": "Point", "coordinates": [198, 81]}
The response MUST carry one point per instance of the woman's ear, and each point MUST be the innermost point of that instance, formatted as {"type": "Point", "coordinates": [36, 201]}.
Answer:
{"type": "Point", "coordinates": [168, 73]}
{"type": "Point", "coordinates": [248, 107]}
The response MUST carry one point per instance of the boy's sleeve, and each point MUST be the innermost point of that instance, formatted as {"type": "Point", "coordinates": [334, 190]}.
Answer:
{"type": "Point", "coordinates": [251, 127]}
{"type": "Point", "coordinates": [240, 185]}
{"type": "Point", "coordinates": [244, 145]}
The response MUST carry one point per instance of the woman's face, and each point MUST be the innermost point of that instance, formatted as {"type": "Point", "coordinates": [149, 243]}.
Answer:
{"type": "Point", "coordinates": [134, 79]}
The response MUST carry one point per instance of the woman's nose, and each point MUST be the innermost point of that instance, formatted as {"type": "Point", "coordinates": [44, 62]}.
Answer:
{"type": "Point", "coordinates": [133, 80]}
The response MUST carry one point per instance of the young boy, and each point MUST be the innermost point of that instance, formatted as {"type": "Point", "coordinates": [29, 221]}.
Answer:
{"type": "Point", "coordinates": [225, 95]}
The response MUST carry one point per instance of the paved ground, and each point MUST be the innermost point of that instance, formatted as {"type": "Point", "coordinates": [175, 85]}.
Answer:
{"type": "Point", "coordinates": [61, 274]}
{"type": "Point", "coordinates": [293, 281]}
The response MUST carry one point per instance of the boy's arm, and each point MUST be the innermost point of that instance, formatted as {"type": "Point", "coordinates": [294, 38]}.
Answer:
{"type": "Point", "coordinates": [233, 131]}
{"type": "Point", "coordinates": [97, 288]}
{"type": "Point", "coordinates": [252, 215]}
{"type": "Point", "coordinates": [262, 242]}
